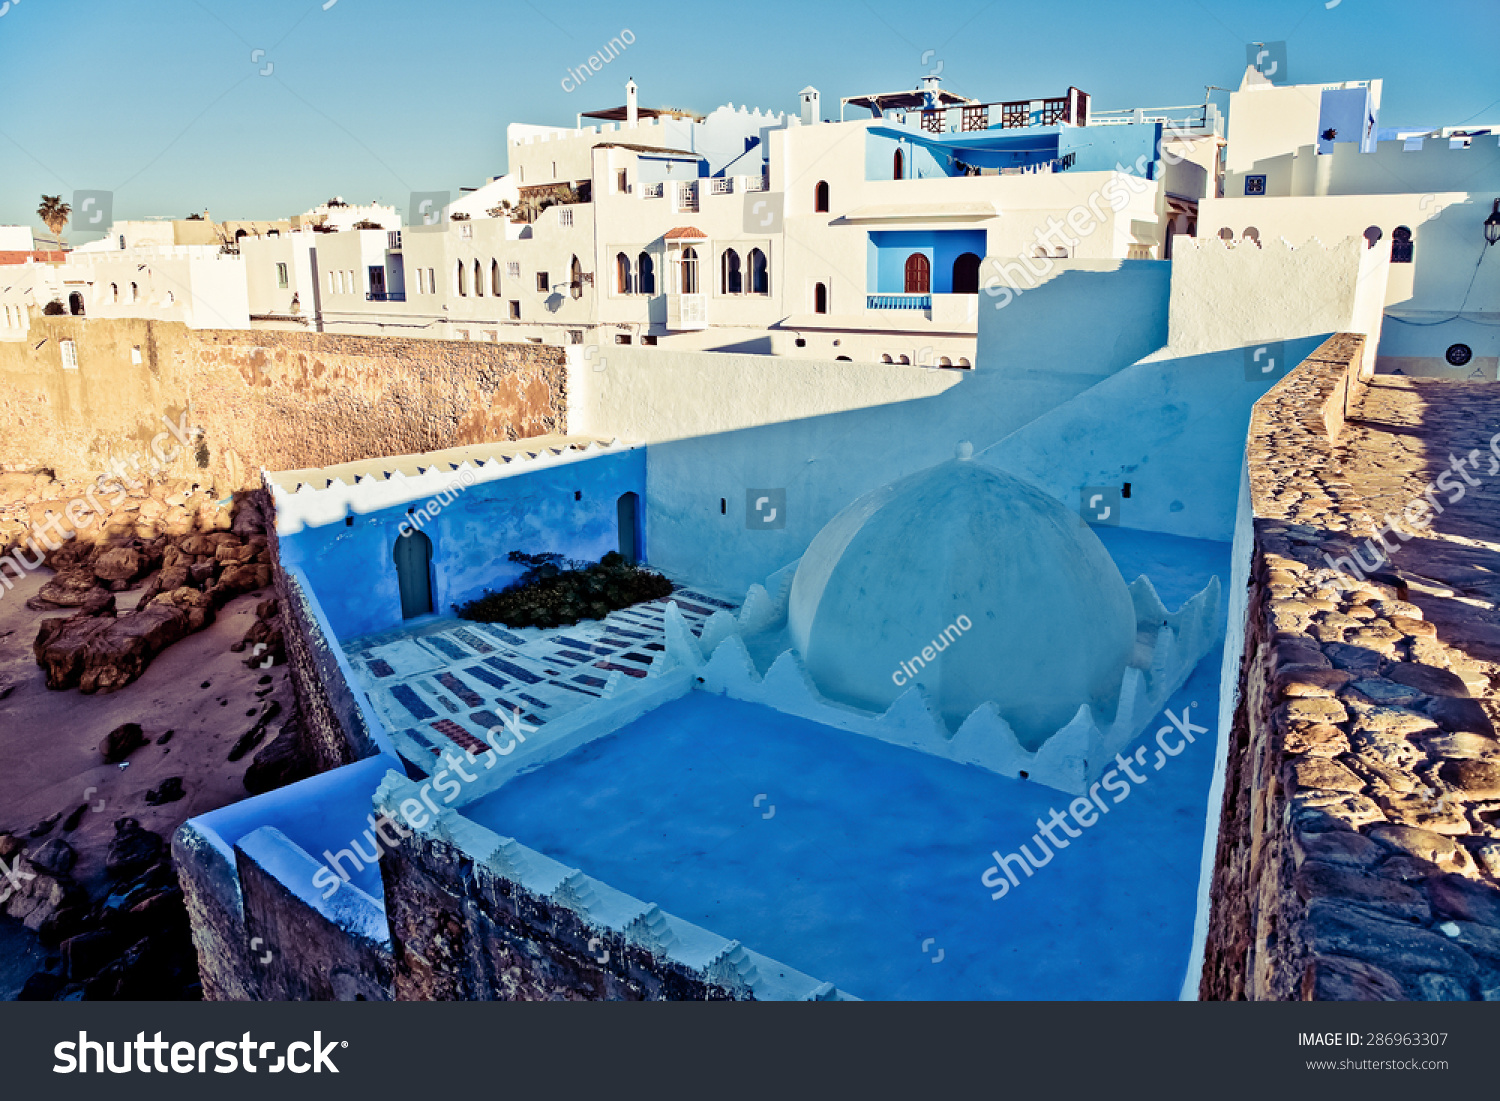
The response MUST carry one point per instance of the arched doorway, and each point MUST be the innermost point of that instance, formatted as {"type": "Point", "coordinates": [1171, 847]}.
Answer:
{"type": "Point", "coordinates": [820, 197]}
{"type": "Point", "coordinates": [413, 557]}
{"type": "Point", "coordinates": [966, 274]}
{"type": "Point", "coordinates": [628, 515]}
{"type": "Point", "coordinates": [918, 274]}
{"type": "Point", "coordinates": [820, 298]}
{"type": "Point", "coordinates": [75, 304]}
{"type": "Point", "coordinates": [898, 166]}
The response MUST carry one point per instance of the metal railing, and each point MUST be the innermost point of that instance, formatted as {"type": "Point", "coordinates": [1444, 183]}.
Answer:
{"type": "Point", "coordinates": [1191, 117]}
{"type": "Point", "coordinates": [722, 185]}
{"type": "Point", "coordinates": [687, 197]}
{"type": "Point", "coordinates": [385, 296]}
{"type": "Point", "coordinates": [964, 118]}
{"type": "Point", "coordinates": [393, 239]}
{"type": "Point", "coordinates": [898, 301]}
{"type": "Point", "coordinates": [653, 191]}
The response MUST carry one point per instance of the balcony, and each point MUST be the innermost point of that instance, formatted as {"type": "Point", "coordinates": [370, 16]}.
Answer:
{"type": "Point", "coordinates": [898, 301]}
{"type": "Point", "coordinates": [385, 296]}
{"type": "Point", "coordinates": [1072, 108]}
{"type": "Point", "coordinates": [393, 240]}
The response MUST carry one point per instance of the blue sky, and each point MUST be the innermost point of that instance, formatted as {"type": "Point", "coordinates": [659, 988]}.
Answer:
{"type": "Point", "coordinates": [164, 103]}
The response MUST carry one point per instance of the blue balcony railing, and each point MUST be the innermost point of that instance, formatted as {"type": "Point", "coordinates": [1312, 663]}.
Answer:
{"type": "Point", "coordinates": [899, 302]}
{"type": "Point", "coordinates": [385, 296]}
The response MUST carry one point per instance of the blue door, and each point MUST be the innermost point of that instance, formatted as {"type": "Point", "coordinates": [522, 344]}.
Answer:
{"type": "Point", "coordinates": [414, 574]}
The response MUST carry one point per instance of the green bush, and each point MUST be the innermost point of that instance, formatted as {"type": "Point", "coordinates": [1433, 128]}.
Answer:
{"type": "Point", "coordinates": [558, 592]}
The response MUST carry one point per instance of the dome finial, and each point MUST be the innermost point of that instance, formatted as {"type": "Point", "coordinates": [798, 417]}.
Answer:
{"type": "Point", "coordinates": [964, 450]}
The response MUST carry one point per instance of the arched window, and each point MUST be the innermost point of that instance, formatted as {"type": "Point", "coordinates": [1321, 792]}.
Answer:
{"type": "Point", "coordinates": [886, 359]}
{"type": "Point", "coordinates": [114, 292]}
{"type": "Point", "coordinates": [689, 269]}
{"type": "Point", "coordinates": [134, 292]}
{"type": "Point", "coordinates": [75, 304]}
{"type": "Point", "coordinates": [966, 274]}
{"type": "Point", "coordinates": [1372, 236]}
{"type": "Point", "coordinates": [495, 278]}
{"type": "Point", "coordinates": [645, 272]}
{"type": "Point", "coordinates": [904, 361]}
{"type": "Point", "coordinates": [730, 281]}
{"type": "Point", "coordinates": [820, 197]}
{"type": "Point", "coordinates": [820, 298]}
{"type": "Point", "coordinates": [962, 362]}
{"type": "Point", "coordinates": [1401, 245]}
{"type": "Point", "coordinates": [1226, 234]}
{"type": "Point", "coordinates": [623, 282]}
{"type": "Point", "coordinates": [944, 361]}
{"type": "Point", "coordinates": [575, 278]}
{"type": "Point", "coordinates": [463, 280]}
{"type": "Point", "coordinates": [1251, 234]}
{"type": "Point", "coordinates": [478, 280]}
{"type": "Point", "coordinates": [760, 276]}
{"type": "Point", "coordinates": [898, 166]}
{"type": "Point", "coordinates": [918, 274]}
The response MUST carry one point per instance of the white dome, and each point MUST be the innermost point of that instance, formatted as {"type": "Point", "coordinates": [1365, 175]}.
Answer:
{"type": "Point", "coordinates": [974, 584]}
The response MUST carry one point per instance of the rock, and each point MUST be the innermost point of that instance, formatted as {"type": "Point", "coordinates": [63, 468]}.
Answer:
{"type": "Point", "coordinates": [1440, 988]}
{"type": "Point", "coordinates": [251, 738]}
{"type": "Point", "coordinates": [133, 850]}
{"type": "Point", "coordinates": [121, 742]}
{"type": "Point", "coordinates": [119, 564]}
{"type": "Point", "coordinates": [41, 986]}
{"type": "Point", "coordinates": [106, 654]}
{"type": "Point", "coordinates": [198, 605]}
{"type": "Point", "coordinates": [282, 762]}
{"type": "Point", "coordinates": [1461, 899]}
{"type": "Point", "coordinates": [1338, 928]}
{"type": "Point", "coordinates": [1426, 845]}
{"type": "Point", "coordinates": [44, 827]}
{"type": "Point", "coordinates": [85, 954]}
{"type": "Point", "coordinates": [169, 791]}
{"type": "Point", "coordinates": [71, 822]}
{"type": "Point", "coordinates": [1460, 716]}
{"type": "Point", "coordinates": [1380, 691]}
{"type": "Point", "coordinates": [101, 602]}
{"type": "Point", "coordinates": [1316, 879]}
{"type": "Point", "coordinates": [1340, 979]}
{"type": "Point", "coordinates": [1356, 659]}
{"type": "Point", "coordinates": [1426, 679]}
{"type": "Point", "coordinates": [1323, 774]}
{"type": "Point", "coordinates": [69, 589]}
{"type": "Point", "coordinates": [56, 857]}
{"type": "Point", "coordinates": [1336, 846]}
{"type": "Point", "coordinates": [1475, 779]}
{"type": "Point", "coordinates": [238, 579]}
{"type": "Point", "coordinates": [1313, 710]}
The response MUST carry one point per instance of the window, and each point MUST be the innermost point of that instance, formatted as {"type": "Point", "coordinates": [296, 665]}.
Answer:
{"type": "Point", "coordinates": [730, 279]}
{"type": "Point", "coordinates": [688, 268]}
{"type": "Point", "coordinates": [918, 274]}
{"type": "Point", "coordinates": [575, 336]}
{"type": "Point", "coordinates": [543, 284]}
{"type": "Point", "coordinates": [645, 274]}
{"type": "Point", "coordinates": [114, 292]}
{"type": "Point", "coordinates": [495, 278]}
{"type": "Point", "coordinates": [1401, 245]}
{"type": "Point", "coordinates": [135, 355]}
{"type": "Point", "coordinates": [623, 281]}
{"type": "Point", "coordinates": [565, 216]}
{"type": "Point", "coordinates": [513, 269]}
{"type": "Point", "coordinates": [820, 197]}
{"type": "Point", "coordinates": [622, 338]}
{"type": "Point", "coordinates": [75, 304]}
{"type": "Point", "coordinates": [461, 284]}
{"type": "Point", "coordinates": [69, 355]}
{"type": "Point", "coordinates": [515, 311]}
{"type": "Point", "coordinates": [1255, 185]}
{"type": "Point", "coordinates": [966, 274]}
{"type": "Point", "coordinates": [944, 361]}
{"type": "Point", "coordinates": [281, 277]}
{"type": "Point", "coordinates": [886, 359]}
{"type": "Point", "coordinates": [1372, 236]}
{"type": "Point", "coordinates": [820, 298]}
{"type": "Point", "coordinates": [650, 341]}
{"type": "Point", "coordinates": [899, 166]}
{"type": "Point", "coordinates": [135, 292]}
{"type": "Point", "coordinates": [421, 281]}
{"type": "Point", "coordinates": [332, 281]}
{"type": "Point", "coordinates": [122, 241]}
{"type": "Point", "coordinates": [622, 182]}
{"type": "Point", "coordinates": [760, 282]}
{"type": "Point", "coordinates": [478, 280]}
{"type": "Point", "coordinates": [1251, 234]}
{"type": "Point", "coordinates": [575, 278]}
{"type": "Point", "coordinates": [431, 281]}
{"type": "Point", "coordinates": [466, 230]}
{"type": "Point", "coordinates": [962, 362]}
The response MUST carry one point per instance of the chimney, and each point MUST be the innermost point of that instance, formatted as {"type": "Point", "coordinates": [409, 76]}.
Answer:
{"type": "Point", "coordinates": [810, 109]}
{"type": "Point", "coordinates": [632, 107]}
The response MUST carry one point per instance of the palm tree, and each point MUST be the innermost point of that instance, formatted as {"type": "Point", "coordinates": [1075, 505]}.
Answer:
{"type": "Point", "coordinates": [54, 214]}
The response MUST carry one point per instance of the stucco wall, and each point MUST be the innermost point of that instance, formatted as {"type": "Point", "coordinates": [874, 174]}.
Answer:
{"type": "Point", "coordinates": [262, 399]}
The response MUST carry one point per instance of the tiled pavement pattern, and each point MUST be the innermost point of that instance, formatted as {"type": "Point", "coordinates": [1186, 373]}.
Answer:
{"type": "Point", "coordinates": [440, 690]}
{"type": "Point", "coordinates": [1360, 851]}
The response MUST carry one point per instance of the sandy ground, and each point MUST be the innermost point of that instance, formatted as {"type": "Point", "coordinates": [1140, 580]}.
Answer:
{"type": "Point", "coordinates": [49, 741]}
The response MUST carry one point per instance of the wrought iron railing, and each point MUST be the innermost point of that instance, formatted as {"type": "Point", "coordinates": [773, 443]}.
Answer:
{"type": "Point", "coordinates": [393, 239]}
{"type": "Point", "coordinates": [385, 296]}
{"type": "Point", "coordinates": [1072, 109]}
{"type": "Point", "coordinates": [653, 191]}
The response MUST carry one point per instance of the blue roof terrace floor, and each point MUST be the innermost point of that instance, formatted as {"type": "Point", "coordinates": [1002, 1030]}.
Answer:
{"type": "Point", "coordinates": [860, 862]}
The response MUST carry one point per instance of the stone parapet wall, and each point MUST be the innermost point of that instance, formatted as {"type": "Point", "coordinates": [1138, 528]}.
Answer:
{"type": "Point", "coordinates": [260, 399]}
{"type": "Point", "coordinates": [1359, 846]}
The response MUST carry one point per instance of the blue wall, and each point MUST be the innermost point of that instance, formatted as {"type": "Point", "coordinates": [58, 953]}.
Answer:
{"type": "Point", "coordinates": [352, 568]}
{"type": "Point", "coordinates": [1103, 148]}
{"type": "Point", "coordinates": [888, 249]}
{"type": "Point", "coordinates": [920, 163]}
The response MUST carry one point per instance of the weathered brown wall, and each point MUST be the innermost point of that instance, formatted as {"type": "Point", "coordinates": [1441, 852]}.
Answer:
{"type": "Point", "coordinates": [1355, 857]}
{"type": "Point", "coordinates": [459, 932]}
{"type": "Point", "coordinates": [281, 401]}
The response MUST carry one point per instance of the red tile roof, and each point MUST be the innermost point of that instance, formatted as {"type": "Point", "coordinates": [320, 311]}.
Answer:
{"type": "Point", "coordinates": [685, 231]}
